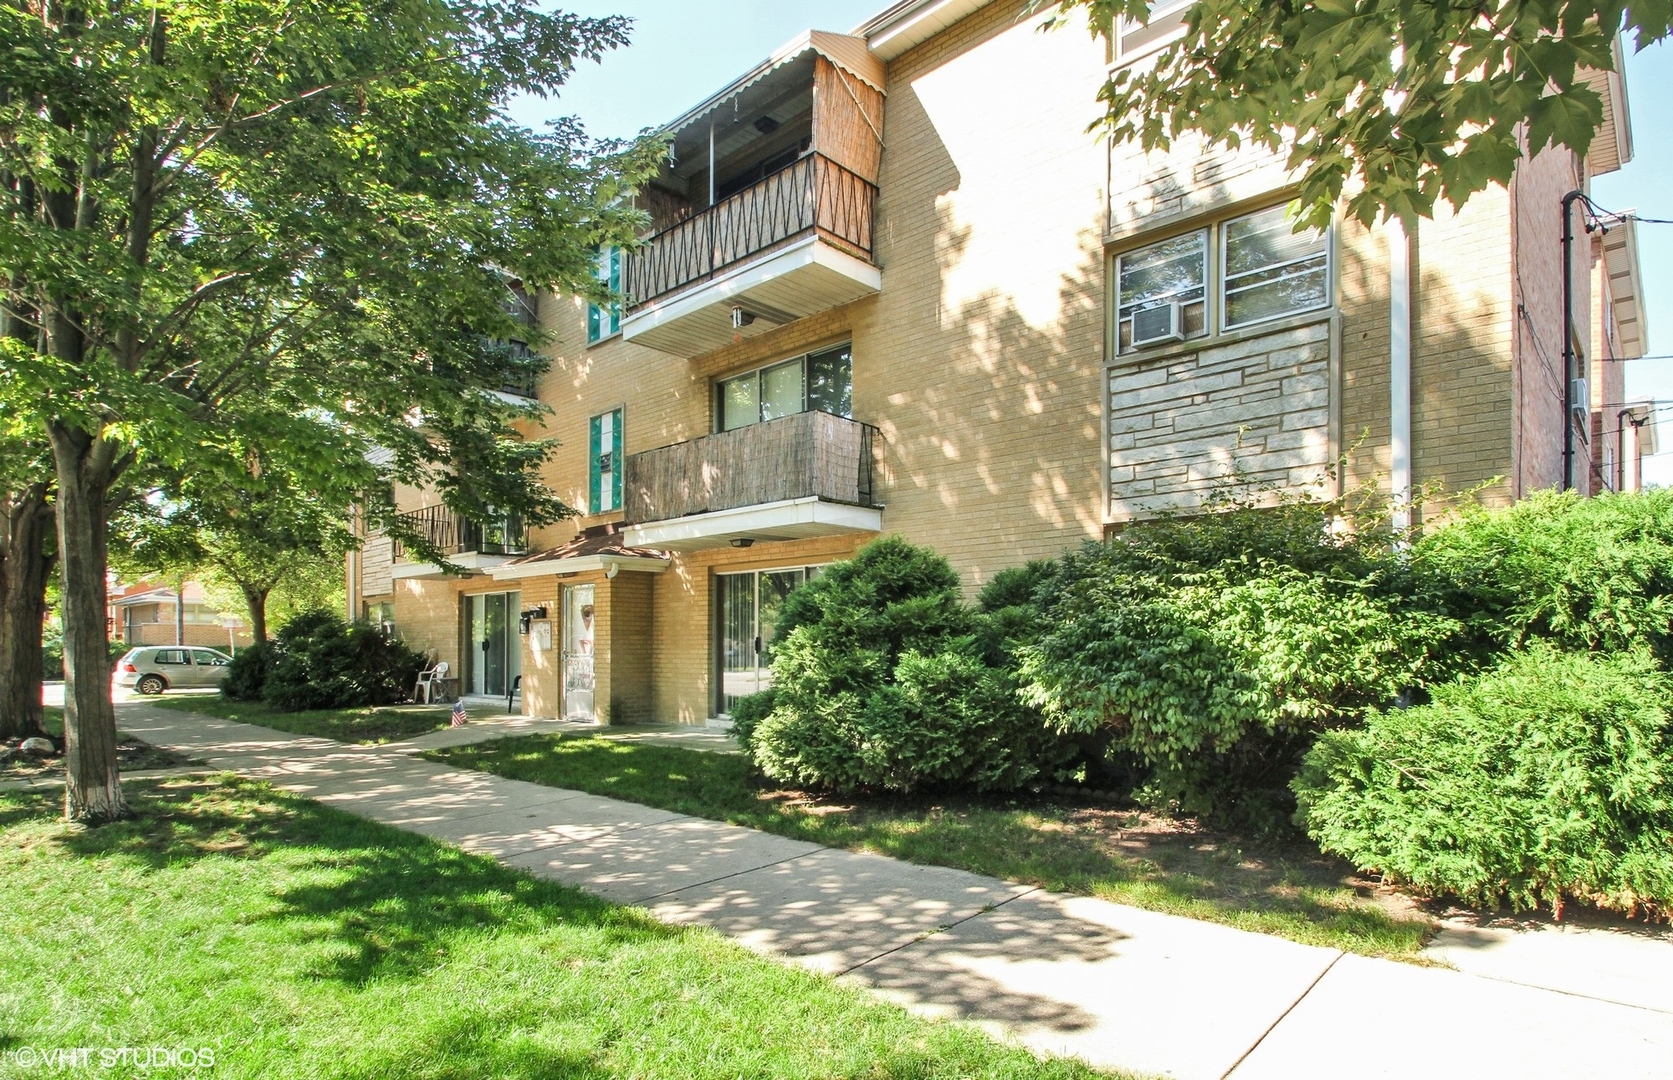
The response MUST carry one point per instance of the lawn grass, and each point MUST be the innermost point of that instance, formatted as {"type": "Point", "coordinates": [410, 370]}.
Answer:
{"type": "Point", "coordinates": [294, 940]}
{"type": "Point", "coordinates": [367, 726]}
{"type": "Point", "coordinates": [1126, 857]}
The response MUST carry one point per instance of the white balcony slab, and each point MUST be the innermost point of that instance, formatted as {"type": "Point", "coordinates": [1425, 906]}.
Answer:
{"type": "Point", "coordinates": [788, 519]}
{"type": "Point", "coordinates": [788, 283]}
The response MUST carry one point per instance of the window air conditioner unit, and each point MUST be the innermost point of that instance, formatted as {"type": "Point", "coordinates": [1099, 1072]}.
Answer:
{"type": "Point", "coordinates": [1154, 325]}
{"type": "Point", "coordinates": [1579, 399]}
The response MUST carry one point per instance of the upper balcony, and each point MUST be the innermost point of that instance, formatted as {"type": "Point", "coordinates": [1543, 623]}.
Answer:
{"type": "Point", "coordinates": [468, 545]}
{"type": "Point", "coordinates": [804, 475]}
{"type": "Point", "coordinates": [763, 214]}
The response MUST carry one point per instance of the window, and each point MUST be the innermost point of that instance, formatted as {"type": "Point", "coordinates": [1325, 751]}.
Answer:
{"type": "Point", "coordinates": [1136, 39]}
{"type": "Point", "coordinates": [1173, 271]}
{"type": "Point", "coordinates": [381, 614]}
{"type": "Point", "coordinates": [604, 453]}
{"type": "Point", "coordinates": [170, 656]}
{"type": "Point", "coordinates": [1271, 270]}
{"type": "Point", "coordinates": [818, 382]}
{"type": "Point", "coordinates": [208, 658]}
{"type": "Point", "coordinates": [604, 321]}
{"type": "Point", "coordinates": [1262, 270]}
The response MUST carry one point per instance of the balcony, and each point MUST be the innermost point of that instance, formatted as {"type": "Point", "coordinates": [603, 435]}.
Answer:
{"type": "Point", "coordinates": [764, 214]}
{"type": "Point", "coordinates": [787, 479]}
{"type": "Point", "coordinates": [468, 545]}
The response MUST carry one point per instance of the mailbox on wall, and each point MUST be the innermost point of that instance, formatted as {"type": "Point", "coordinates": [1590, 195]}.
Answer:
{"type": "Point", "coordinates": [526, 618]}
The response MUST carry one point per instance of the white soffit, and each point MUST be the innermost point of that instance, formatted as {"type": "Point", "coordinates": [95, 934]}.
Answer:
{"type": "Point", "coordinates": [907, 24]}
{"type": "Point", "coordinates": [1626, 288]}
{"type": "Point", "coordinates": [790, 519]}
{"type": "Point", "coordinates": [1612, 145]}
{"type": "Point", "coordinates": [579, 564]}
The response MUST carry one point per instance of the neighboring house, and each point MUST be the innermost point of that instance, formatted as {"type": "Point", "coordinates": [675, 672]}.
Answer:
{"type": "Point", "coordinates": [893, 286]}
{"type": "Point", "coordinates": [147, 613]}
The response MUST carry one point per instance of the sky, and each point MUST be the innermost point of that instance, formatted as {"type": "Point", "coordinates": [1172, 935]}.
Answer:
{"type": "Point", "coordinates": [683, 51]}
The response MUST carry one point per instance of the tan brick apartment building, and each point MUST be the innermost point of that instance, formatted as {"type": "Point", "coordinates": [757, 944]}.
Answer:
{"type": "Point", "coordinates": [893, 286]}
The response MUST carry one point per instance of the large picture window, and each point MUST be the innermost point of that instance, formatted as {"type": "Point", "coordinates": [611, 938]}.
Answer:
{"type": "Point", "coordinates": [1236, 273]}
{"type": "Point", "coordinates": [822, 381]}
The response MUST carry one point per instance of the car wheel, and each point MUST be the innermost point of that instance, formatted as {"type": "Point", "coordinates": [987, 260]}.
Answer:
{"type": "Point", "coordinates": [151, 684]}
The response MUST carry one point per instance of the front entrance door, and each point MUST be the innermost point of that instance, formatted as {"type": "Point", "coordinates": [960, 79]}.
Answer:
{"type": "Point", "coordinates": [749, 609]}
{"type": "Point", "coordinates": [494, 650]}
{"type": "Point", "coordinates": [578, 659]}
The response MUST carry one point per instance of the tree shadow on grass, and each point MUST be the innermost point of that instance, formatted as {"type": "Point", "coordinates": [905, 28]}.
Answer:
{"type": "Point", "coordinates": [389, 903]}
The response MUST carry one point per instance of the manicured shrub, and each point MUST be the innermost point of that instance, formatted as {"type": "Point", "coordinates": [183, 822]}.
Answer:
{"type": "Point", "coordinates": [1213, 666]}
{"type": "Point", "coordinates": [1588, 573]}
{"type": "Point", "coordinates": [247, 674]}
{"type": "Point", "coordinates": [1549, 777]}
{"type": "Point", "coordinates": [881, 681]}
{"type": "Point", "coordinates": [321, 662]}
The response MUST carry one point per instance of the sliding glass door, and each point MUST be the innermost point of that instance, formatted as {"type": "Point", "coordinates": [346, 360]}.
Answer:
{"type": "Point", "coordinates": [494, 649]}
{"type": "Point", "coordinates": [750, 604]}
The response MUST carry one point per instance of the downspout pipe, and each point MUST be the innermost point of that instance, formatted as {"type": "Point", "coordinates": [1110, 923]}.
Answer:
{"type": "Point", "coordinates": [1568, 336]}
{"type": "Point", "coordinates": [1400, 374]}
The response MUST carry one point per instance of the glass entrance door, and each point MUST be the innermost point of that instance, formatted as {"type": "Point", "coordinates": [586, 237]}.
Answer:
{"type": "Point", "coordinates": [494, 652]}
{"type": "Point", "coordinates": [579, 669]}
{"type": "Point", "coordinates": [749, 609]}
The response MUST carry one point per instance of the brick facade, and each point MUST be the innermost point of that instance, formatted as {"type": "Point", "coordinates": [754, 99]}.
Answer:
{"type": "Point", "coordinates": [1009, 427]}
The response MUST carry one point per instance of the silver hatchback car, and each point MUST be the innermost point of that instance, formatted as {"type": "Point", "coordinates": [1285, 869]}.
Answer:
{"type": "Point", "coordinates": [151, 669]}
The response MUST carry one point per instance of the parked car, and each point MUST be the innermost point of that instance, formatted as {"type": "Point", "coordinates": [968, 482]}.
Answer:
{"type": "Point", "coordinates": [151, 669]}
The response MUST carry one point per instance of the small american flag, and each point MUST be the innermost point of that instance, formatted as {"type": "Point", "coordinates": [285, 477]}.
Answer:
{"type": "Point", "coordinates": [458, 714]}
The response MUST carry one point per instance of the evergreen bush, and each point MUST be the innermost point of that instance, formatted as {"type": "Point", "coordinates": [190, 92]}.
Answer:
{"type": "Point", "coordinates": [321, 662]}
{"type": "Point", "coordinates": [248, 672]}
{"type": "Point", "coordinates": [1549, 777]}
{"type": "Point", "coordinates": [882, 681]}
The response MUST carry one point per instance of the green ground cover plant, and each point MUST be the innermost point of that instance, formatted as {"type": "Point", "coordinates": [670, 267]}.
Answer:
{"type": "Point", "coordinates": [295, 941]}
{"type": "Point", "coordinates": [1126, 856]}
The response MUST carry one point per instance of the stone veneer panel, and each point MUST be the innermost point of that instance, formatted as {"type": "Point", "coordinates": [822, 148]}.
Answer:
{"type": "Point", "coordinates": [1259, 406]}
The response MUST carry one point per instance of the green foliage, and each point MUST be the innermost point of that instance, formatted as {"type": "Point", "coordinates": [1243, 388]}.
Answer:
{"type": "Point", "coordinates": [1015, 586]}
{"type": "Point", "coordinates": [1396, 104]}
{"type": "Point", "coordinates": [881, 681]}
{"type": "Point", "coordinates": [247, 674]}
{"type": "Point", "coordinates": [52, 652]}
{"type": "Point", "coordinates": [1587, 573]}
{"type": "Point", "coordinates": [748, 712]}
{"type": "Point", "coordinates": [1547, 778]}
{"type": "Point", "coordinates": [1212, 649]}
{"type": "Point", "coordinates": [321, 662]}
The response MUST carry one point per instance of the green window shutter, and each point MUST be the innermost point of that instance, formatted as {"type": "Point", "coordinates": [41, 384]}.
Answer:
{"type": "Point", "coordinates": [593, 450]}
{"type": "Point", "coordinates": [616, 462]}
{"type": "Point", "coordinates": [595, 322]}
{"type": "Point", "coordinates": [616, 285]}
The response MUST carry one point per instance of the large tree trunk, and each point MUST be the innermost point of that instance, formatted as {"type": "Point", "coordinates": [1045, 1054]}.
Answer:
{"type": "Point", "coordinates": [256, 600]}
{"type": "Point", "coordinates": [25, 562]}
{"type": "Point", "coordinates": [93, 786]}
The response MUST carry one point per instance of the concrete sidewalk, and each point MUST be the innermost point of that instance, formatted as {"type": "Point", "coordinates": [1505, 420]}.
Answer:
{"type": "Point", "coordinates": [1117, 986]}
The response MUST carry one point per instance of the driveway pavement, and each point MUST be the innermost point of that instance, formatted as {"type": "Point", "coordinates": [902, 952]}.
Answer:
{"type": "Point", "coordinates": [1117, 986]}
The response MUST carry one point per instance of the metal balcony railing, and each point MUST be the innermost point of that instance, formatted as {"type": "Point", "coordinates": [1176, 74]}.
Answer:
{"type": "Point", "coordinates": [815, 195]}
{"type": "Point", "coordinates": [808, 454]}
{"type": "Point", "coordinates": [453, 534]}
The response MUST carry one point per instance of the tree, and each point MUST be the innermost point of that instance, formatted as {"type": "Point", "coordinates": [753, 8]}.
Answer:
{"type": "Point", "coordinates": [252, 536]}
{"type": "Point", "coordinates": [279, 220]}
{"type": "Point", "coordinates": [1400, 103]}
{"type": "Point", "coordinates": [26, 558]}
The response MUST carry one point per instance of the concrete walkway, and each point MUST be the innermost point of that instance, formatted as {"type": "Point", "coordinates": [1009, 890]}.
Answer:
{"type": "Point", "coordinates": [1118, 986]}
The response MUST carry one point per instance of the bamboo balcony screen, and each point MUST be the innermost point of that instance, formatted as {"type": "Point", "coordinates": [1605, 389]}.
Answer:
{"type": "Point", "coordinates": [813, 195]}
{"type": "Point", "coordinates": [794, 457]}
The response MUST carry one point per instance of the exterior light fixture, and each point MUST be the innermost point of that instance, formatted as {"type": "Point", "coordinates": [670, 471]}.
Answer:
{"type": "Point", "coordinates": [742, 541]}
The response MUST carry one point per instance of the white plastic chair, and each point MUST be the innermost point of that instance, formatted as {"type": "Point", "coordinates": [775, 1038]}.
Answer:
{"type": "Point", "coordinates": [429, 680]}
